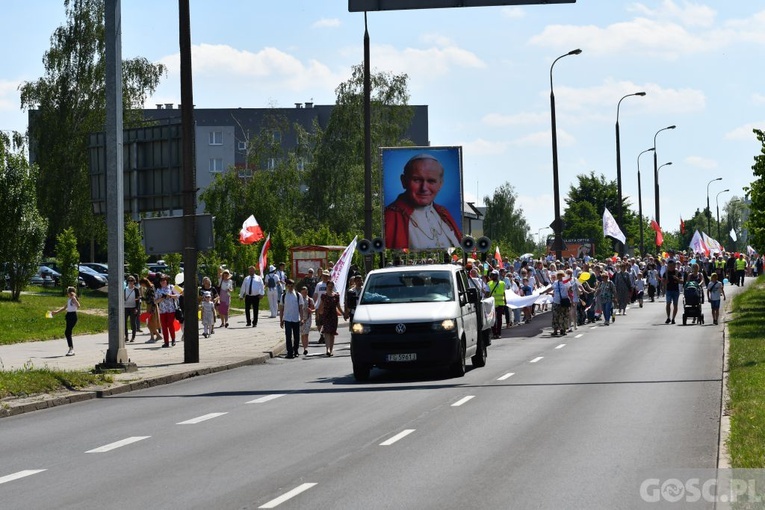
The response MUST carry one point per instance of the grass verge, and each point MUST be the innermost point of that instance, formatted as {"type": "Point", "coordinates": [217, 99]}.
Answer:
{"type": "Point", "coordinates": [747, 378]}
{"type": "Point", "coordinates": [24, 320]}
{"type": "Point", "coordinates": [32, 381]}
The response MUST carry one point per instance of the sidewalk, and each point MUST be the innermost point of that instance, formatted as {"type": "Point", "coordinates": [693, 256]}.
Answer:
{"type": "Point", "coordinates": [232, 347]}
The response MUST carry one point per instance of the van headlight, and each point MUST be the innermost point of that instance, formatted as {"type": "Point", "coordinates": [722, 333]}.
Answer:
{"type": "Point", "coordinates": [359, 328]}
{"type": "Point", "coordinates": [444, 325]}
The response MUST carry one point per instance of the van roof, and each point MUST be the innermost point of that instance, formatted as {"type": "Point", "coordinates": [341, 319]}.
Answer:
{"type": "Point", "coordinates": [417, 268]}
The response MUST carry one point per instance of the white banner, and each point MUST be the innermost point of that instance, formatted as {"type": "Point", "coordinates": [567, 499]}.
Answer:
{"type": "Point", "coordinates": [340, 271]}
{"type": "Point", "coordinates": [513, 300]}
{"type": "Point", "coordinates": [611, 228]}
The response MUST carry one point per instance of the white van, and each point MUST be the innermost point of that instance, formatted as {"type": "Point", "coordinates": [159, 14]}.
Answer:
{"type": "Point", "coordinates": [419, 316]}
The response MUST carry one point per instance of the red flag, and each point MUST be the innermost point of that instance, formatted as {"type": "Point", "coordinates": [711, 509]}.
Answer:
{"type": "Point", "coordinates": [682, 225]}
{"type": "Point", "coordinates": [498, 257]}
{"type": "Point", "coordinates": [251, 231]}
{"type": "Point", "coordinates": [659, 236]}
{"type": "Point", "coordinates": [263, 259]}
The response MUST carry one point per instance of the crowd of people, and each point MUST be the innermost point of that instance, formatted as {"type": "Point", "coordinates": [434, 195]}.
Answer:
{"type": "Point", "coordinates": [587, 290]}
{"type": "Point", "coordinates": [578, 291]}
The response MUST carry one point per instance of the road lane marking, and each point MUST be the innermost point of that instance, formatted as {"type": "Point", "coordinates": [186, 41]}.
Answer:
{"type": "Point", "coordinates": [580, 335]}
{"type": "Point", "coordinates": [397, 437]}
{"type": "Point", "coordinates": [536, 359]}
{"type": "Point", "coordinates": [118, 444]}
{"type": "Point", "coordinates": [20, 474]}
{"type": "Point", "coordinates": [261, 400]}
{"type": "Point", "coordinates": [561, 346]}
{"type": "Point", "coordinates": [200, 419]}
{"type": "Point", "coordinates": [288, 495]}
{"type": "Point", "coordinates": [506, 376]}
{"type": "Point", "coordinates": [463, 400]}
{"type": "Point", "coordinates": [593, 327]}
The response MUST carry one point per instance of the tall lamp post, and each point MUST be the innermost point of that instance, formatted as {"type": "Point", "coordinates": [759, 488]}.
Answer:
{"type": "Point", "coordinates": [619, 218]}
{"type": "Point", "coordinates": [656, 176]}
{"type": "Point", "coordinates": [709, 211]}
{"type": "Point", "coordinates": [717, 204]}
{"type": "Point", "coordinates": [640, 201]}
{"type": "Point", "coordinates": [556, 226]}
{"type": "Point", "coordinates": [668, 163]}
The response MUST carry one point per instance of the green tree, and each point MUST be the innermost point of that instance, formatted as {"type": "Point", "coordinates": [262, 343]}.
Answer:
{"type": "Point", "coordinates": [67, 104]}
{"type": "Point", "coordinates": [68, 258]}
{"type": "Point", "coordinates": [23, 229]}
{"type": "Point", "coordinates": [504, 222]}
{"type": "Point", "coordinates": [135, 254]}
{"type": "Point", "coordinates": [336, 178]}
{"type": "Point", "coordinates": [583, 215]}
{"type": "Point", "coordinates": [756, 191]}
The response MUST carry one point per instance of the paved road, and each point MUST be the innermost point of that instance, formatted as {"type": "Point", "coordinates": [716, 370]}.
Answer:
{"type": "Point", "coordinates": [572, 422]}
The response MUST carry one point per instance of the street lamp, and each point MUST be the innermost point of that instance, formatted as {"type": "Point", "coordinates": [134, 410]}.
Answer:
{"type": "Point", "coordinates": [619, 218]}
{"type": "Point", "coordinates": [718, 213]}
{"type": "Point", "coordinates": [709, 211]}
{"type": "Point", "coordinates": [656, 176]}
{"type": "Point", "coordinates": [640, 201]}
{"type": "Point", "coordinates": [539, 237]}
{"type": "Point", "coordinates": [556, 226]}
{"type": "Point", "coordinates": [657, 208]}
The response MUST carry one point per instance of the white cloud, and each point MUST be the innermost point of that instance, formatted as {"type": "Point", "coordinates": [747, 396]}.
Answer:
{"type": "Point", "coordinates": [538, 211]}
{"type": "Point", "coordinates": [702, 163]}
{"type": "Point", "coordinates": [513, 12]}
{"type": "Point", "coordinates": [544, 139]}
{"type": "Point", "coordinates": [744, 133]}
{"type": "Point", "coordinates": [9, 95]}
{"type": "Point", "coordinates": [481, 147]}
{"type": "Point", "coordinates": [326, 23]}
{"type": "Point", "coordinates": [519, 119]}
{"type": "Point", "coordinates": [758, 99]}
{"type": "Point", "coordinates": [688, 13]}
{"type": "Point", "coordinates": [269, 64]}
{"type": "Point", "coordinates": [426, 64]}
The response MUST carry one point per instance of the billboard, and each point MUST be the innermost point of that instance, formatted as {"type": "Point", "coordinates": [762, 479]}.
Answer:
{"type": "Point", "coordinates": [422, 197]}
{"type": "Point", "coordinates": [395, 5]}
{"type": "Point", "coordinates": [576, 248]}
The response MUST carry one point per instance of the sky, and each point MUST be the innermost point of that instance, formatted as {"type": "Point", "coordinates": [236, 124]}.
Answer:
{"type": "Point", "coordinates": [484, 74]}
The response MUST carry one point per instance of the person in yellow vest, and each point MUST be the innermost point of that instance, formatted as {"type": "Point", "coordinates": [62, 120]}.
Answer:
{"type": "Point", "coordinates": [720, 267]}
{"type": "Point", "coordinates": [497, 291]}
{"type": "Point", "coordinates": [740, 269]}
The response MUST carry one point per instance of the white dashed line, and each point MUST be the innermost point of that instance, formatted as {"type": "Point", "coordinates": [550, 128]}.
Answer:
{"type": "Point", "coordinates": [261, 400]}
{"type": "Point", "coordinates": [397, 437]}
{"type": "Point", "coordinates": [506, 376]}
{"type": "Point", "coordinates": [118, 444]}
{"type": "Point", "coordinates": [561, 346]}
{"type": "Point", "coordinates": [288, 495]}
{"type": "Point", "coordinates": [536, 359]}
{"type": "Point", "coordinates": [580, 335]}
{"type": "Point", "coordinates": [200, 419]}
{"type": "Point", "coordinates": [463, 400]}
{"type": "Point", "coordinates": [593, 327]}
{"type": "Point", "coordinates": [20, 474]}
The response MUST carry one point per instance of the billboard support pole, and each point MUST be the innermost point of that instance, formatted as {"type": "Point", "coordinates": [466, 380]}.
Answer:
{"type": "Point", "coordinates": [367, 146]}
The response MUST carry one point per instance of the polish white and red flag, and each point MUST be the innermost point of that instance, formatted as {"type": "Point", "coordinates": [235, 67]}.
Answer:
{"type": "Point", "coordinates": [498, 258]}
{"type": "Point", "coordinates": [251, 231]}
{"type": "Point", "coordinates": [263, 259]}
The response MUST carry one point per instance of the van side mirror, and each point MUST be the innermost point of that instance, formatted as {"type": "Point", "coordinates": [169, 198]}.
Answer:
{"type": "Point", "coordinates": [472, 295]}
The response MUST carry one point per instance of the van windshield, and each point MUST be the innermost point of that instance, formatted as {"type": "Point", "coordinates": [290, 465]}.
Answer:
{"type": "Point", "coordinates": [408, 287]}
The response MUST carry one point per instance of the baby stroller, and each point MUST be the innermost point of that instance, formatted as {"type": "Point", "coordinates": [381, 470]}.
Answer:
{"type": "Point", "coordinates": [693, 298]}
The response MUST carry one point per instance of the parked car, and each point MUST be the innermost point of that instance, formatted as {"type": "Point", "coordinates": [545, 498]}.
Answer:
{"type": "Point", "coordinates": [92, 278]}
{"type": "Point", "coordinates": [97, 267]}
{"type": "Point", "coordinates": [46, 276]}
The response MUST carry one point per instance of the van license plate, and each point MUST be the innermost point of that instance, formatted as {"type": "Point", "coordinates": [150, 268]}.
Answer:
{"type": "Point", "coordinates": [401, 357]}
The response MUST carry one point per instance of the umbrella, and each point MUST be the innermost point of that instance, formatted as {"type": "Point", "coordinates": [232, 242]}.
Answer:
{"type": "Point", "coordinates": [583, 276]}
{"type": "Point", "coordinates": [527, 256]}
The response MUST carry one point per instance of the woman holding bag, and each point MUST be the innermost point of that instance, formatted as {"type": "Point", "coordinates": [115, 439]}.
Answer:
{"type": "Point", "coordinates": [151, 309]}
{"type": "Point", "coordinates": [166, 300]}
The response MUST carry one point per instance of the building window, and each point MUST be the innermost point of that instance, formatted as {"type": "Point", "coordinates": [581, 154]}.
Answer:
{"type": "Point", "coordinates": [301, 164]}
{"type": "Point", "coordinates": [276, 136]}
{"type": "Point", "coordinates": [216, 137]}
{"type": "Point", "coordinates": [271, 163]}
{"type": "Point", "coordinates": [216, 165]}
{"type": "Point", "coordinates": [241, 146]}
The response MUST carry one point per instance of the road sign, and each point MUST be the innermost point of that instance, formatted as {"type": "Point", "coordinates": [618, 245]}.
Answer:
{"type": "Point", "coordinates": [558, 225]}
{"type": "Point", "coordinates": [397, 5]}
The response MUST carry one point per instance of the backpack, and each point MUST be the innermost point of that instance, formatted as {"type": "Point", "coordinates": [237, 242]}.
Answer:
{"type": "Point", "coordinates": [271, 281]}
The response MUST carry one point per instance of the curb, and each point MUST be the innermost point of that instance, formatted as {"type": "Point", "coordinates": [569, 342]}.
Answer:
{"type": "Point", "coordinates": [47, 401]}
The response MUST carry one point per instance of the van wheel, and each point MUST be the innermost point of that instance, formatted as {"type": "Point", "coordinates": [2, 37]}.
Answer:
{"type": "Point", "coordinates": [479, 360]}
{"type": "Point", "coordinates": [459, 368]}
{"type": "Point", "coordinates": [361, 372]}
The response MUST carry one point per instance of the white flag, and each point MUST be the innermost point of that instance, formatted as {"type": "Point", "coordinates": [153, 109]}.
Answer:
{"type": "Point", "coordinates": [712, 244]}
{"type": "Point", "coordinates": [611, 228]}
{"type": "Point", "coordinates": [340, 271]}
{"type": "Point", "coordinates": [698, 245]}
{"type": "Point", "coordinates": [733, 235]}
